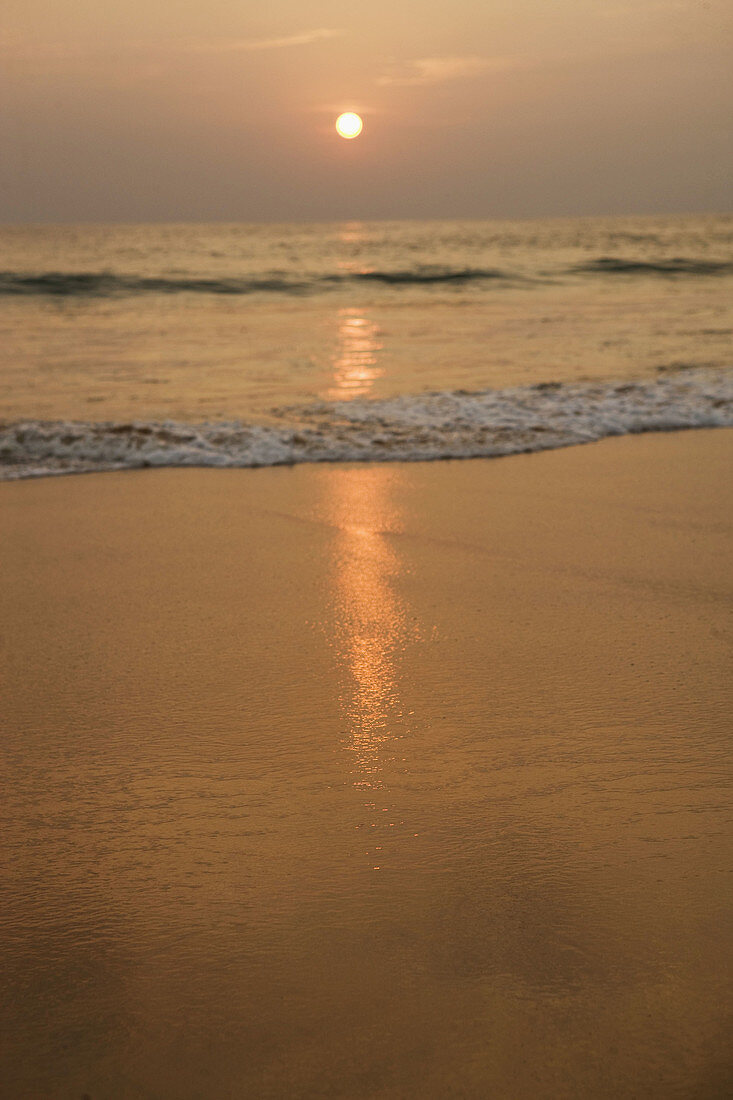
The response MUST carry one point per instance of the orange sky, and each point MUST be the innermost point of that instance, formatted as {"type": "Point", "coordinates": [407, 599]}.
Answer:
{"type": "Point", "coordinates": [172, 109]}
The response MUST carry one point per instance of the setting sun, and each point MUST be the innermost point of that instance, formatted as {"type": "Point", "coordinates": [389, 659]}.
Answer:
{"type": "Point", "coordinates": [349, 125]}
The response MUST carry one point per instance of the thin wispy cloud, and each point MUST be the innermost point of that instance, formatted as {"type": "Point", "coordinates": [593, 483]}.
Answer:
{"type": "Point", "coordinates": [16, 48]}
{"type": "Point", "coordinates": [439, 70]}
{"type": "Point", "coordinates": [251, 45]}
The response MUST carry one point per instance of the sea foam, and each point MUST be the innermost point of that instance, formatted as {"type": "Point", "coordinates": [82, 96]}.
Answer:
{"type": "Point", "coordinates": [431, 426]}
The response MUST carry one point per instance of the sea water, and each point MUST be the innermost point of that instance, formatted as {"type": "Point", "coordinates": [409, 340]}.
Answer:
{"type": "Point", "coordinates": [242, 345]}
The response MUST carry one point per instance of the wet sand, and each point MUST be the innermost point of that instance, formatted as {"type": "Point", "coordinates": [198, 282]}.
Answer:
{"type": "Point", "coordinates": [380, 781]}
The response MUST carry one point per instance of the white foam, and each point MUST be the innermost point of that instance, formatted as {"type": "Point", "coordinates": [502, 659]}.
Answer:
{"type": "Point", "coordinates": [411, 428]}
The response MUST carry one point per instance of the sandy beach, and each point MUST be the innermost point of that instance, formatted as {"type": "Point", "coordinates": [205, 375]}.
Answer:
{"type": "Point", "coordinates": [371, 781]}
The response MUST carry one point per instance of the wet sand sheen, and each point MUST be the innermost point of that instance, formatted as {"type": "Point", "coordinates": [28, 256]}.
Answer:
{"type": "Point", "coordinates": [371, 781]}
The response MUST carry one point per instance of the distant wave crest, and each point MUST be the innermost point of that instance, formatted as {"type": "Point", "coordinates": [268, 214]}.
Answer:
{"type": "Point", "coordinates": [100, 284]}
{"type": "Point", "coordinates": [106, 284]}
{"type": "Point", "coordinates": [103, 284]}
{"type": "Point", "coordinates": [410, 428]}
{"type": "Point", "coordinates": [428, 275]}
{"type": "Point", "coordinates": [614, 265]}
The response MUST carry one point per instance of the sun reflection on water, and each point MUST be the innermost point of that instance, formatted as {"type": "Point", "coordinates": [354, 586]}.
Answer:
{"type": "Point", "coordinates": [371, 619]}
{"type": "Point", "coordinates": [355, 363]}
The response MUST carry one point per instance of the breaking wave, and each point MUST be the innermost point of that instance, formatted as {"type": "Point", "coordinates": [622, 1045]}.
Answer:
{"type": "Point", "coordinates": [432, 426]}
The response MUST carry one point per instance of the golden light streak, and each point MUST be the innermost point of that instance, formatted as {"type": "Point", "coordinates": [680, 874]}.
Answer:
{"type": "Point", "coordinates": [355, 368]}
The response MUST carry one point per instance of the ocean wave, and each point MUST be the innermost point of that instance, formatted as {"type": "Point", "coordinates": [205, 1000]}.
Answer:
{"type": "Point", "coordinates": [430, 275]}
{"type": "Point", "coordinates": [679, 265]}
{"type": "Point", "coordinates": [92, 284]}
{"type": "Point", "coordinates": [104, 284]}
{"type": "Point", "coordinates": [410, 428]}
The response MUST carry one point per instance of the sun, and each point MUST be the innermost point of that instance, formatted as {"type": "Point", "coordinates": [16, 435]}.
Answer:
{"type": "Point", "coordinates": [349, 125]}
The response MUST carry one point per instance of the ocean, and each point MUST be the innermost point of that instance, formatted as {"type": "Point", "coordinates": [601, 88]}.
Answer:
{"type": "Point", "coordinates": [245, 345]}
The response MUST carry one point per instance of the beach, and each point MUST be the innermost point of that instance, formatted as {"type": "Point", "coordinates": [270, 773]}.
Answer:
{"type": "Point", "coordinates": [371, 780]}
{"type": "Point", "coordinates": [366, 439]}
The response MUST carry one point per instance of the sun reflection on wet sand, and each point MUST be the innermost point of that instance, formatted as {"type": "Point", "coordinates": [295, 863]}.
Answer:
{"type": "Point", "coordinates": [372, 627]}
{"type": "Point", "coordinates": [355, 366]}
{"type": "Point", "coordinates": [371, 617]}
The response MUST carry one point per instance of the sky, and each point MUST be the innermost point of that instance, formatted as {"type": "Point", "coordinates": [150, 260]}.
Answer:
{"type": "Point", "coordinates": [174, 110]}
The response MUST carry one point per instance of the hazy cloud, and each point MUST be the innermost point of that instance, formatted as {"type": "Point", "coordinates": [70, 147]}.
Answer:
{"type": "Point", "coordinates": [246, 45]}
{"type": "Point", "coordinates": [438, 70]}
{"type": "Point", "coordinates": [19, 49]}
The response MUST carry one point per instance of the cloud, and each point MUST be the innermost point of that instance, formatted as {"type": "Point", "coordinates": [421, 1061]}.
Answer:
{"type": "Point", "coordinates": [438, 70]}
{"type": "Point", "coordinates": [250, 45]}
{"type": "Point", "coordinates": [15, 48]}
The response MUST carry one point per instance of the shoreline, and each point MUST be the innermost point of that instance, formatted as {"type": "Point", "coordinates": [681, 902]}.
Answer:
{"type": "Point", "coordinates": [410, 428]}
{"type": "Point", "coordinates": [347, 463]}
